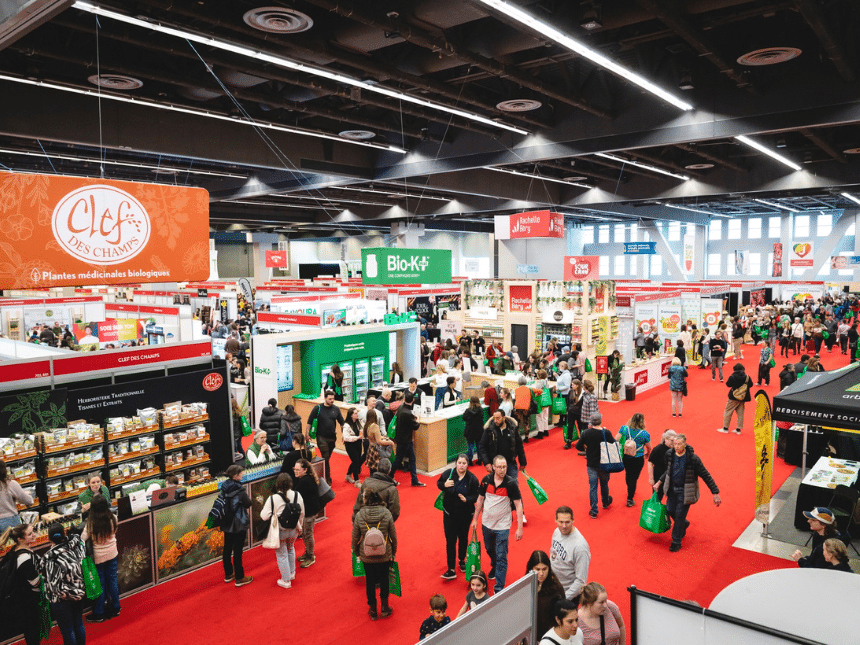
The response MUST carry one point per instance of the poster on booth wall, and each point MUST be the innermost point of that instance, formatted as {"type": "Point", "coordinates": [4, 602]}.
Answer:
{"type": "Point", "coordinates": [424, 307]}
{"type": "Point", "coordinates": [646, 318]}
{"type": "Point", "coordinates": [87, 335]}
{"type": "Point", "coordinates": [801, 254]}
{"type": "Point", "coordinates": [60, 230]}
{"type": "Point", "coordinates": [334, 317]}
{"type": "Point", "coordinates": [450, 329]}
{"type": "Point", "coordinates": [521, 297]}
{"type": "Point", "coordinates": [688, 255]}
{"type": "Point", "coordinates": [448, 303]}
{"type": "Point", "coordinates": [776, 269]}
{"type": "Point", "coordinates": [670, 319]}
{"type": "Point", "coordinates": [757, 298]}
{"type": "Point", "coordinates": [712, 311]}
{"type": "Point", "coordinates": [120, 332]}
{"type": "Point", "coordinates": [47, 315]}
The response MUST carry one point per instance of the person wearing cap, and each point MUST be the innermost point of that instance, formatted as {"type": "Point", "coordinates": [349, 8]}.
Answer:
{"type": "Point", "coordinates": [504, 364]}
{"type": "Point", "coordinates": [822, 524]}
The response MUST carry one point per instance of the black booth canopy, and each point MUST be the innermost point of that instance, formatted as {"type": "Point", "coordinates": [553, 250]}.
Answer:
{"type": "Point", "coordinates": [830, 399]}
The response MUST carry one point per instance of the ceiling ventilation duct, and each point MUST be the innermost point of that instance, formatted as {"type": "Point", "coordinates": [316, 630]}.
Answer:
{"type": "Point", "coordinates": [278, 20]}
{"type": "Point", "coordinates": [769, 56]}
{"type": "Point", "coordinates": [519, 105]}
{"type": "Point", "coordinates": [20, 17]}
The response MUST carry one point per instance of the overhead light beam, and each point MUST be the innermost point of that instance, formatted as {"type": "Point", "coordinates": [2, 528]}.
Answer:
{"type": "Point", "coordinates": [765, 150]}
{"type": "Point", "coordinates": [644, 166]}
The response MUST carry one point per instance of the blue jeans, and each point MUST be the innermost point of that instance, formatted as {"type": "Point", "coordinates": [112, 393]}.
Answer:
{"type": "Point", "coordinates": [407, 450]}
{"type": "Point", "coordinates": [677, 510]}
{"type": "Point", "coordinates": [69, 615]}
{"type": "Point", "coordinates": [110, 587]}
{"type": "Point", "coordinates": [594, 477]}
{"type": "Point", "coordinates": [470, 450]}
{"type": "Point", "coordinates": [496, 543]}
{"type": "Point", "coordinates": [8, 522]}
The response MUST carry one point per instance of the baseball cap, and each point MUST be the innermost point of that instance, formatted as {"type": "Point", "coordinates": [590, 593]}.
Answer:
{"type": "Point", "coordinates": [820, 513]}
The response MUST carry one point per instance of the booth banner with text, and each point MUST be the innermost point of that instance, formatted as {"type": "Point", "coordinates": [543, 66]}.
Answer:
{"type": "Point", "coordinates": [801, 254]}
{"type": "Point", "coordinates": [405, 266]}
{"type": "Point", "coordinates": [58, 231]}
{"type": "Point", "coordinates": [450, 329]}
{"type": "Point", "coordinates": [763, 430]}
{"type": "Point", "coordinates": [531, 224]}
{"type": "Point", "coordinates": [646, 318]}
{"type": "Point", "coordinates": [521, 298]}
{"type": "Point", "coordinates": [691, 310]}
{"type": "Point", "coordinates": [757, 298]}
{"type": "Point", "coordinates": [688, 257]}
{"type": "Point", "coordinates": [277, 259]}
{"type": "Point", "coordinates": [670, 319]}
{"type": "Point", "coordinates": [776, 269]}
{"type": "Point", "coordinates": [712, 311]}
{"type": "Point", "coordinates": [582, 267]}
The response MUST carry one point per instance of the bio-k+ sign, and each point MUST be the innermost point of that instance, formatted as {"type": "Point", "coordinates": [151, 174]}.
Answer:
{"type": "Point", "coordinates": [405, 266]}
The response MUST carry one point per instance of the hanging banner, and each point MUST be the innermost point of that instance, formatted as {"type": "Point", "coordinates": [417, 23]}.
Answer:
{"type": "Point", "coordinates": [57, 230]}
{"type": "Point", "coordinates": [776, 269]}
{"type": "Point", "coordinates": [405, 266]}
{"type": "Point", "coordinates": [764, 457]}
{"type": "Point", "coordinates": [531, 224]}
{"type": "Point", "coordinates": [844, 261]}
{"type": "Point", "coordinates": [801, 254]}
{"type": "Point", "coordinates": [670, 319]}
{"type": "Point", "coordinates": [742, 262]}
{"type": "Point", "coordinates": [277, 260]}
{"type": "Point", "coordinates": [640, 248]}
{"type": "Point", "coordinates": [688, 255]}
{"type": "Point", "coordinates": [757, 298]}
{"type": "Point", "coordinates": [521, 298]}
{"type": "Point", "coordinates": [582, 267]}
{"type": "Point", "coordinates": [646, 318]}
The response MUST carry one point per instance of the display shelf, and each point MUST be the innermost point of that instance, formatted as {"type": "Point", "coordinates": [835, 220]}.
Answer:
{"type": "Point", "coordinates": [24, 507]}
{"type": "Point", "coordinates": [29, 479]}
{"type": "Point", "coordinates": [18, 456]}
{"type": "Point", "coordinates": [134, 432]}
{"type": "Point", "coordinates": [119, 481]}
{"type": "Point", "coordinates": [190, 442]}
{"type": "Point", "coordinates": [71, 470]}
{"type": "Point", "coordinates": [181, 423]}
{"type": "Point", "coordinates": [187, 463]}
{"type": "Point", "coordinates": [66, 494]}
{"type": "Point", "coordinates": [134, 455]}
{"type": "Point", "coordinates": [53, 449]}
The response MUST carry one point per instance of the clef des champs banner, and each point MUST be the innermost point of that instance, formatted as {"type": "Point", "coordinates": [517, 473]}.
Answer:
{"type": "Point", "coordinates": [63, 231]}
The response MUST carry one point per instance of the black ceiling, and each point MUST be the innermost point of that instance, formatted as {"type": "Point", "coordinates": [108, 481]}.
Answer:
{"type": "Point", "coordinates": [455, 53]}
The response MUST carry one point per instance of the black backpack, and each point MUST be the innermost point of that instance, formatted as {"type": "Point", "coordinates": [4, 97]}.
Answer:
{"type": "Point", "coordinates": [8, 566]}
{"type": "Point", "coordinates": [289, 517]}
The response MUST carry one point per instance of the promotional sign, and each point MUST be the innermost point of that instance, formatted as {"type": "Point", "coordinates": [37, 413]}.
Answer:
{"type": "Point", "coordinates": [646, 318]}
{"type": "Point", "coordinates": [484, 313]}
{"type": "Point", "coordinates": [288, 319]}
{"type": "Point", "coordinates": [664, 367]}
{"type": "Point", "coordinates": [277, 260]}
{"type": "Point", "coordinates": [98, 361]}
{"type": "Point", "coordinates": [405, 266]}
{"type": "Point", "coordinates": [844, 261]}
{"type": "Point", "coordinates": [688, 254]}
{"type": "Point", "coordinates": [57, 230]}
{"type": "Point", "coordinates": [223, 311]}
{"type": "Point", "coordinates": [86, 333]}
{"type": "Point", "coordinates": [757, 298]}
{"type": "Point", "coordinates": [527, 268]}
{"type": "Point", "coordinates": [284, 364]}
{"type": "Point", "coordinates": [670, 319]}
{"type": "Point", "coordinates": [801, 254]}
{"type": "Point", "coordinates": [712, 311]}
{"type": "Point", "coordinates": [450, 329]}
{"type": "Point", "coordinates": [202, 293]}
{"type": "Point", "coordinates": [582, 267]}
{"type": "Point", "coordinates": [334, 317]}
{"type": "Point", "coordinates": [640, 248]}
{"type": "Point", "coordinates": [245, 286]}
{"type": "Point", "coordinates": [742, 262]}
{"type": "Point", "coordinates": [691, 309]}
{"type": "Point", "coordinates": [601, 364]}
{"type": "Point", "coordinates": [776, 270]}
{"type": "Point", "coordinates": [521, 298]}
{"type": "Point", "coordinates": [640, 378]}
{"type": "Point", "coordinates": [47, 315]}
{"type": "Point", "coordinates": [531, 224]}
{"type": "Point", "coordinates": [763, 430]}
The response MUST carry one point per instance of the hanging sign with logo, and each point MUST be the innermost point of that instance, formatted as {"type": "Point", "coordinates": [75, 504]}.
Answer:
{"type": "Point", "coordinates": [277, 260]}
{"type": "Point", "coordinates": [524, 269]}
{"type": "Point", "coordinates": [689, 255]}
{"type": "Point", "coordinates": [521, 298]}
{"type": "Point", "coordinates": [776, 270]}
{"type": "Point", "coordinates": [640, 248]}
{"type": "Point", "coordinates": [581, 267]}
{"type": "Point", "coordinates": [75, 231]}
{"type": "Point", "coordinates": [222, 310]}
{"type": "Point", "coordinates": [531, 224]}
{"type": "Point", "coordinates": [801, 254]}
{"type": "Point", "coordinates": [405, 266]}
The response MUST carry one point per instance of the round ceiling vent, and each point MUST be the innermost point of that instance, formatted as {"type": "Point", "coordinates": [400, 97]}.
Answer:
{"type": "Point", "coordinates": [699, 166]}
{"type": "Point", "coordinates": [115, 81]}
{"type": "Point", "coordinates": [519, 105]}
{"type": "Point", "coordinates": [278, 20]}
{"type": "Point", "coordinates": [769, 56]}
{"type": "Point", "coordinates": [851, 151]}
{"type": "Point", "coordinates": [356, 135]}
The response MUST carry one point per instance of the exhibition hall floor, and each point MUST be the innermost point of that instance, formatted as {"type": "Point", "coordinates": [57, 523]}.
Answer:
{"type": "Point", "coordinates": [327, 606]}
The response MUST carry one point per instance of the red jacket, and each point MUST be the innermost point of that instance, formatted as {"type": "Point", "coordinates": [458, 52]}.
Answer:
{"type": "Point", "coordinates": [491, 399]}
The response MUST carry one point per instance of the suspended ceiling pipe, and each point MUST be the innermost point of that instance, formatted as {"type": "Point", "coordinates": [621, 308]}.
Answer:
{"type": "Point", "coordinates": [818, 22]}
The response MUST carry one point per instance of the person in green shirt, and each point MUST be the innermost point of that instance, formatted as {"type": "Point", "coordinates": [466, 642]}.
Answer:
{"type": "Point", "coordinates": [96, 486]}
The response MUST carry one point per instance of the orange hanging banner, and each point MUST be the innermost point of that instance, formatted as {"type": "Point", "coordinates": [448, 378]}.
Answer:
{"type": "Point", "coordinates": [71, 231]}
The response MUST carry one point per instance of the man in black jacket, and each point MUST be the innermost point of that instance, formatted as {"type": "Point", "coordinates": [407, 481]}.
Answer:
{"type": "Point", "coordinates": [328, 416]}
{"type": "Point", "coordinates": [404, 437]}
{"type": "Point", "coordinates": [501, 437]}
{"type": "Point", "coordinates": [590, 442]}
{"type": "Point", "coordinates": [681, 483]}
{"type": "Point", "coordinates": [740, 385]}
{"type": "Point", "coordinates": [272, 421]}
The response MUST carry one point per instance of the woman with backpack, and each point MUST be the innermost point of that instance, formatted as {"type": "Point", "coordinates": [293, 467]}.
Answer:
{"type": "Point", "coordinates": [677, 385]}
{"type": "Point", "coordinates": [374, 542]}
{"type": "Point", "coordinates": [101, 528]}
{"type": "Point", "coordinates": [291, 427]}
{"type": "Point", "coordinates": [64, 583]}
{"type": "Point", "coordinates": [636, 443]}
{"type": "Point", "coordinates": [277, 505]}
{"type": "Point", "coordinates": [20, 563]}
{"type": "Point", "coordinates": [235, 526]}
{"type": "Point", "coordinates": [306, 483]}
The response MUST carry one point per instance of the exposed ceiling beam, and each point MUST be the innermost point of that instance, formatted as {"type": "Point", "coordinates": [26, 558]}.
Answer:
{"type": "Point", "coordinates": [821, 143]}
{"type": "Point", "coordinates": [697, 150]}
{"type": "Point", "coordinates": [818, 22]}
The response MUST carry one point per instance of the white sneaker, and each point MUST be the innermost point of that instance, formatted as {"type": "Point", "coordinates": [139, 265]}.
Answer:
{"type": "Point", "coordinates": [723, 430]}
{"type": "Point", "coordinates": [293, 576]}
{"type": "Point", "coordinates": [285, 585]}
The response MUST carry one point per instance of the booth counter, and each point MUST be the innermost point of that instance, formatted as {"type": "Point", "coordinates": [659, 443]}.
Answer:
{"type": "Point", "coordinates": [648, 374]}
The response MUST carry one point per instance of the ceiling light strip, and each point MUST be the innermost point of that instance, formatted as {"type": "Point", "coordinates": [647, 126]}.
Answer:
{"type": "Point", "coordinates": [644, 166]}
{"type": "Point", "coordinates": [851, 197]}
{"type": "Point", "coordinates": [770, 153]}
{"type": "Point", "coordinates": [286, 63]}
{"type": "Point", "coordinates": [323, 198]}
{"type": "Point", "coordinates": [164, 168]}
{"type": "Point", "coordinates": [564, 40]}
{"type": "Point", "coordinates": [541, 178]}
{"type": "Point", "coordinates": [697, 210]}
{"type": "Point", "coordinates": [279, 205]}
{"type": "Point", "coordinates": [776, 205]}
{"type": "Point", "coordinates": [391, 193]}
{"type": "Point", "coordinates": [195, 112]}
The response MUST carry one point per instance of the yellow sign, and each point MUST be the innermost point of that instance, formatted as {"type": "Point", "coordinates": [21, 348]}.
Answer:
{"type": "Point", "coordinates": [764, 457]}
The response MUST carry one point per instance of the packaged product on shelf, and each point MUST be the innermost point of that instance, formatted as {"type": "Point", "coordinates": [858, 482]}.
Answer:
{"type": "Point", "coordinates": [147, 443]}
{"type": "Point", "coordinates": [183, 436]}
{"type": "Point", "coordinates": [69, 508]}
{"type": "Point", "coordinates": [189, 454]}
{"type": "Point", "coordinates": [68, 485]}
{"type": "Point", "coordinates": [148, 416]}
{"type": "Point", "coordinates": [96, 454]}
{"type": "Point", "coordinates": [149, 463]}
{"type": "Point", "coordinates": [30, 490]}
{"type": "Point", "coordinates": [80, 481]}
{"type": "Point", "coordinates": [125, 471]}
{"type": "Point", "coordinates": [115, 424]}
{"type": "Point", "coordinates": [198, 451]}
{"type": "Point", "coordinates": [115, 473]}
{"type": "Point", "coordinates": [181, 477]}
{"type": "Point", "coordinates": [203, 472]}
{"type": "Point", "coordinates": [198, 408]}
{"type": "Point", "coordinates": [22, 471]}
{"type": "Point", "coordinates": [201, 431]}
{"type": "Point", "coordinates": [134, 445]}
{"type": "Point", "coordinates": [122, 447]}
{"type": "Point", "coordinates": [135, 467]}
{"type": "Point", "coordinates": [54, 488]}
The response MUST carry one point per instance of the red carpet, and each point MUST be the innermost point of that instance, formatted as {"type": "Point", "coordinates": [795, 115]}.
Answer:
{"type": "Point", "coordinates": [326, 603]}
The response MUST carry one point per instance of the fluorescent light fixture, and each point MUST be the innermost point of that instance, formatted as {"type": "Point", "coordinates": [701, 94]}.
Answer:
{"type": "Point", "coordinates": [564, 40]}
{"type": "Point", "coordinates": [328, 199]}
{"type": "Point", "coordinates": [770, 153]}
{"type": "Point", "coordinates": [278, 204]}
{"type": "Point", "coordinates": [644, 166]}
{"type": "Point", "coordinates": [696, 210]}
{"type": "Point", "coordinates": [776, 205]}
{"type": "Point", "coordinates": [51, 155]}
{"type": "Point", "coordinates": [390, 193]}
{"type": "Point", "coordinates": [195, 112]}
{"type": "Point", "coordinates": [851, 197]}
{"type": "Point", "coordinates": [286, 63]}
{"type": "Point", "coordinates": [531, 176]}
